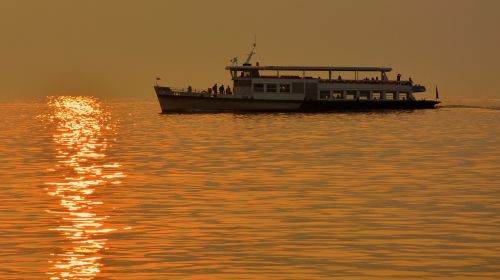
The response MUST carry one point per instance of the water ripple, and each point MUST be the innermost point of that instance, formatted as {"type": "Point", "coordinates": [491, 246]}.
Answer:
{"type": "Point", "coordinates": [392, 195]}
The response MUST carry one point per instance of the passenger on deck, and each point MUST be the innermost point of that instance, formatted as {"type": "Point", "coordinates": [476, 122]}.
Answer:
{"type": "Point", "coordinates": [340, 78]}
{"type": "Point", "coordinates": [411, 81]}
{"type": "Point", "coordinates": [190, 89]}
{"type": "Point", "coordinates": [228, 90]}
{"type": "Point", "coordinates": [399, 78]}
{"type": "Point", "coordinates": [214, 88]}
{"type": "Point", "coordinates": [221, 89]}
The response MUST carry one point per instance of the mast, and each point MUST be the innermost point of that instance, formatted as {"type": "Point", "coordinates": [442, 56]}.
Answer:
{"type": "Point", "coordinates": [247, 62]}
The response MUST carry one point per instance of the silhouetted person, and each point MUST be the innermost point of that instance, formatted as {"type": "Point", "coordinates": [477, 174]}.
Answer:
{"type": "Point", "coordinates": [190, 89]}
{"type": "Point", "coordinates": [214, 88]}
{"type": "Point", "coordinates": [411, 81]}
{"type": "Point", "coordinates": [221, 89]}
{"type": "Point", "coordinates": [340, 78]}
{"type": "Point", "coordinates": [228, 90]}
{"type": "Point", "coordinates": [399, 78]}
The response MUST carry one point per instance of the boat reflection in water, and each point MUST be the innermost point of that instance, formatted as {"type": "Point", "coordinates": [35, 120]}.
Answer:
{"type": "Point", "coordinates": [82, 127]}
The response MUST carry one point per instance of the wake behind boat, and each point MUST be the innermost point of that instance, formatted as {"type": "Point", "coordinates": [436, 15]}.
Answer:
{"type": "Point", "coordinates": [291, 88]}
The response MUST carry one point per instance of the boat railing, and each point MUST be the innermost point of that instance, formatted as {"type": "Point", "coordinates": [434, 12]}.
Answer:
{"type": "Point", "coordinates": [341, 81]}
{"type": "Point", "coordinates": [381, 82]}
{"type": "Point", "coordinates": [178, 91]}
{"type": "Point", "coordinates": [186, 90]}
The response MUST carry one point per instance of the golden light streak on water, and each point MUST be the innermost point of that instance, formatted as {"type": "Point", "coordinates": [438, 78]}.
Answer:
{"type": "Point", "coordinates": [81, 143]}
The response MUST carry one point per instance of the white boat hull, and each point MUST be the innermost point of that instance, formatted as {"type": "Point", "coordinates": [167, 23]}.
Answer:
{"type": "Point", "coordinates": [175, 103]}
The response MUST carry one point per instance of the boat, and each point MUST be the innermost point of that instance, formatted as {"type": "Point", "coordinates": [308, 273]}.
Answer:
{"type": "Point", "coordinates": [258, 88]}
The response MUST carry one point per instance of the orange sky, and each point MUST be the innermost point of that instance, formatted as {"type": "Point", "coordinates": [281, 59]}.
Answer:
{"type": "Point", "coordinates": [116, 48]}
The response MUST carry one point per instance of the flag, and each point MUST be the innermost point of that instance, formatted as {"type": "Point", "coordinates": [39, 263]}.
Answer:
{"type": "Point", "coordinates": [437, 93]}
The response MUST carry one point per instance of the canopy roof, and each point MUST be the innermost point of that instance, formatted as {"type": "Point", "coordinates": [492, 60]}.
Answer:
{"type": "Point", "coordinates": [310, 68]}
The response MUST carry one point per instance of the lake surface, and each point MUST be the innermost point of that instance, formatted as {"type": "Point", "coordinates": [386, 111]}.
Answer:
{"type": "Point", "coordinates": [102, 190]}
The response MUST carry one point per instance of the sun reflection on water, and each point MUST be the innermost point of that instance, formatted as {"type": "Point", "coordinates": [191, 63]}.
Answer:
{"type": "Point", "coordinates": [82, 127]}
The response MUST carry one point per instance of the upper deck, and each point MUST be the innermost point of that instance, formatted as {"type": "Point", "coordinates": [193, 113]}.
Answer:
{"type": "Point", "coordinates": [249, 79]}
{"type": "Point", "coordinates": [249, 71]}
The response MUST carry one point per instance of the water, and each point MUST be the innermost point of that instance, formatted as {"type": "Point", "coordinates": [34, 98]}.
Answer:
{"type": "Point", "coordinates": [96, 190]}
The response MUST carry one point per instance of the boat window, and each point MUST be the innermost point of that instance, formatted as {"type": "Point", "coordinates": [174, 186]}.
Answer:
{"type": "Point", "coordinates": [403, 96]}
{"type": "Point", "coordinates": [298, 87]}
{"type": "Point", "coordinates": [351, 95]}
{"type": "Point", "coordinates": [242, 83]}
{"type": "Point", "coordinates": [258, 87]}
{"type": "Point", "coordinates": [364, 95]}
{"type": "Point", "coordinates": [337, 95]}
{"type": "Point", "coordinates": [271, 88]}
{"type": "Point", "coordinates": [285, 88]}
{"type": "Point", "coordinates": [389, 95]}
{"type": "Point", "coordinates": [324, 94]}
{"type": "Point", "coordinates": [376, 95]}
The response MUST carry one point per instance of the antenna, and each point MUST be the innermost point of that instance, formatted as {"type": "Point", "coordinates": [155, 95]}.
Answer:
{"type": "Point", "coordinates": [234, 61]}
{"type": "Point", "coordinates": [252, 52]}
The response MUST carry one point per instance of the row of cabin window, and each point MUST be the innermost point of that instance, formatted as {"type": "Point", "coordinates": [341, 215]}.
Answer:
{"type": "Point", "coordinates": [363, 95]}
{"type": "Point", "coordinates": [272, 88]}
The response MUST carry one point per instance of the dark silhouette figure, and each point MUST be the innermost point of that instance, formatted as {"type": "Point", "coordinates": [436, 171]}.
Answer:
{"type": "Point", "coordinates": [214, 88]}
{"type": "Point", "coordinates": [399, 78]}
{"type": "Point", "coordinates": [228, 90]}
{"type": "Point", "coordinates": [221, 89]}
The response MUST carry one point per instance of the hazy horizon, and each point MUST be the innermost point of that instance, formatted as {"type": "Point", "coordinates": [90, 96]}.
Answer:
{"type": "Point", "coordinates": [116, 48]}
